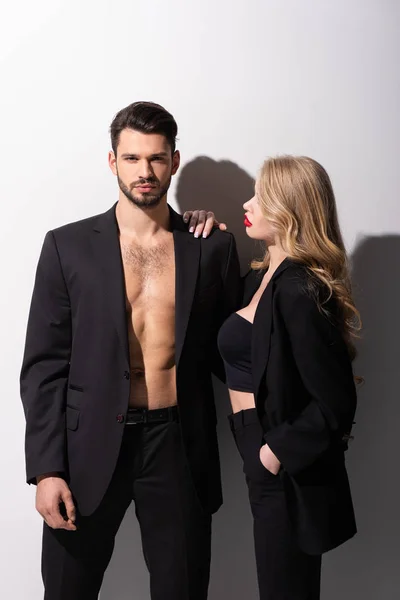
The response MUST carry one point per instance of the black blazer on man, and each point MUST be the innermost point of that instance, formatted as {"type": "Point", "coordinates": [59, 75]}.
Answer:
{"type": "Point", "coordinates": [75, 373]}
{"type": "Point", "coordinates": [306, 400]}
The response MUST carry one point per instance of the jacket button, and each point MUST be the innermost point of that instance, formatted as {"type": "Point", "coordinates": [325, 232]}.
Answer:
{"type": "Point", "coordinates": [127, 375]}
{"type": "Point", "coordinates": [120, 418]}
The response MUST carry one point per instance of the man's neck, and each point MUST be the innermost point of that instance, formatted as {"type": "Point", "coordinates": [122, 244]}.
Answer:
{"type": "Point", "coordinates": [142, 224]}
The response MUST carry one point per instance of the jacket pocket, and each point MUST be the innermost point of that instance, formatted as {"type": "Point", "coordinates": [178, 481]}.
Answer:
{"type": "Point", "coordinates": [72, 418]}
{"type": "Point", "coordinates": [75, 398]}
{"type": "Point", "coordinates": [75, 388]}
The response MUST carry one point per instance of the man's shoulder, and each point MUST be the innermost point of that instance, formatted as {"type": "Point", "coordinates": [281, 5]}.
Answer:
{"type": "Point", "coordinates": [73, 227]}
{"type": "Point", "coordinates": [81, 226]}
{"type": "Point", "coordinates": [220, 239]}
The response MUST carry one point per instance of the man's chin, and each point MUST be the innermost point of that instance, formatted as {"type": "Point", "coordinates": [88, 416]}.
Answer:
{"type": "Point", "coordinates": [145, 200]}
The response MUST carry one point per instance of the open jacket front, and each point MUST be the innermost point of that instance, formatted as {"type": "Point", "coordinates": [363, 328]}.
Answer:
{"type": "Point", "coordinates": [306, 400]}
{"type": "Point", "coordinates": [75, 376]}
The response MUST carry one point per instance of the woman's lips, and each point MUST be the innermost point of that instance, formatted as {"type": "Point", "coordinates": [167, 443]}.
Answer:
{"type": "Point", "coordinates": [247, 222]}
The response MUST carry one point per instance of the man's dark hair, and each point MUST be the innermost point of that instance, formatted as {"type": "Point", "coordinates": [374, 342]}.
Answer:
{"type": "Point", "coordinates": [146, 117]}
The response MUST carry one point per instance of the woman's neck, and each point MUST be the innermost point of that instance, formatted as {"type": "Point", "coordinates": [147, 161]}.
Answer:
{"type": "Point", "coordinates": [276, 256]}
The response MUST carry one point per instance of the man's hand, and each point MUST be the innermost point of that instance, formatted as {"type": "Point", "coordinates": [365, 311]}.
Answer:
{"type": "Point", "coordinates": [202, 222]}
{"type": "Point", "coordinates": [269, 460]}
{"type": "Point", "coordinates": [51, 491]}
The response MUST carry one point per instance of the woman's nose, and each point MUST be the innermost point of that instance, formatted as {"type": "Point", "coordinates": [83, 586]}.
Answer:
{"type": "Point", "coordinates": [246, 205]}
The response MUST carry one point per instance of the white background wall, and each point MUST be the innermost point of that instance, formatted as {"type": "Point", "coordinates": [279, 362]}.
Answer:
{"type": "Point", "coordinates": [244, 80]}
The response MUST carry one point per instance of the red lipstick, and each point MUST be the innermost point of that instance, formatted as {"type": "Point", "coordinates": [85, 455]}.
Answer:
{"type": "Point", "coordinates": [247, 222]}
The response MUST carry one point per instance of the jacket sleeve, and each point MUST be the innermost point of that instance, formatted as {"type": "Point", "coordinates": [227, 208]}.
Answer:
{"type": "Point", "coordinates": [325, 369]}
{"type": "Point", "coordinates": [231, 301]}
{"type": "Point", "coordinates": [45, 367]}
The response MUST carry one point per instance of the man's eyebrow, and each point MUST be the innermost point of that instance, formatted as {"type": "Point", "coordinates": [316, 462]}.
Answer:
{"type": "Point", "coordinates": [129, 155]}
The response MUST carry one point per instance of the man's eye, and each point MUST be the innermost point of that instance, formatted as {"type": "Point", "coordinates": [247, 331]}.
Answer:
{"type": "Point", "coordinates": [158, 158]}
{"type": "Point", "coordinates": [131, 159]}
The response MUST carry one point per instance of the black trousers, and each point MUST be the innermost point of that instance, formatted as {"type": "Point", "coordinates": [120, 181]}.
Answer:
{"type": "Point", "coordinates": [176, 532]}
{"type": "Point", "coordinates": [284, 571]}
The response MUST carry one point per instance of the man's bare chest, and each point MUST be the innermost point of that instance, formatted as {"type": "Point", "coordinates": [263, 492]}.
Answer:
{"type": "Point", "coordinates": [149, 275]}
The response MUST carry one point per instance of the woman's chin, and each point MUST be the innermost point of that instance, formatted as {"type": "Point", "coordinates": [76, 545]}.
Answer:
{"type": "Point", "coordinates": [248, 231]}
{"type": "Point", "coordinates": [253, 234]}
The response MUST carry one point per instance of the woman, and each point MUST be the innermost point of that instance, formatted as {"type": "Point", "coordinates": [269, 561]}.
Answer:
{"type": "Point", "coordinates": [288, 354]}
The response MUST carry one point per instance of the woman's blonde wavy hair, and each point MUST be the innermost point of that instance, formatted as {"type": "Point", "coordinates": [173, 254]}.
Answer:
{"type": "Point", "coordinates": [296, 197]}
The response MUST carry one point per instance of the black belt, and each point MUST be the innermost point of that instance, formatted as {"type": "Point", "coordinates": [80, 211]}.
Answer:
{"type": "Point", "coordinates": [136, 416]}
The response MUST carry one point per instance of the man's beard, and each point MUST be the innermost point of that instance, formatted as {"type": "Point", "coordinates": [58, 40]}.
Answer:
{"type": "Point", "coordinates": [145, 200]}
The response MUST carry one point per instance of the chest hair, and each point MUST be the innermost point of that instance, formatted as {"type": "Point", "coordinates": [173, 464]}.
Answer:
{"type": "Point", "coordinates": [147, 263]}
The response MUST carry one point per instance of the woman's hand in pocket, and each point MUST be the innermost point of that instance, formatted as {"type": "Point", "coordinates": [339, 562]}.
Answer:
{"type": "Point", "coordinates": [269, 460]}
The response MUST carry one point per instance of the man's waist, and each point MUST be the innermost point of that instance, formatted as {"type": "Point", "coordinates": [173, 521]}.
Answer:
{"type": "Point", "coordinates": [146, 416]}
{"type": "Point", "coordinates": [152, 390]}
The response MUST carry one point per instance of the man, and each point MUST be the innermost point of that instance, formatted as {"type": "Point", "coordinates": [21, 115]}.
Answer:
{"type": "Point", "coordinates": [116, 377]}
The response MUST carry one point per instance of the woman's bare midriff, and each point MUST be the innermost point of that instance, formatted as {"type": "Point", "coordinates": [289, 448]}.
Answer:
{"type": "Point", "coordinates": [241, 400]}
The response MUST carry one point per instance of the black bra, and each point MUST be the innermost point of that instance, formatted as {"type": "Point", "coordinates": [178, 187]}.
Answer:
{"type": "Point", "coordinates": [234, 343]}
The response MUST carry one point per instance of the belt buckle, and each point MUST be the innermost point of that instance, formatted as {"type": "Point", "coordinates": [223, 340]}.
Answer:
{"type": "Point", "coordinates": [142, 420]}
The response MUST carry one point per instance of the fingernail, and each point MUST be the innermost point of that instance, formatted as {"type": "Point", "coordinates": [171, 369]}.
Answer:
{"type": "Point", "coordinates": [196, 235]}
{"type": "Point", "coordinates": [204, 235]}
{"type": "Point", "coordinates": [185, 220]}
{"type": "Point", "coordinates": [191, 229]}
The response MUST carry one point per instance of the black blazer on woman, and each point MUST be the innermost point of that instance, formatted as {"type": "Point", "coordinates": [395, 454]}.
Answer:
{"type": "Point", "coordinates": [306, 400]}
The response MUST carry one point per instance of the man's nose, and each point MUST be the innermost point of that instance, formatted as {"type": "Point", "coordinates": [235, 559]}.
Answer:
{"type": "Point", "coordinates": [145, 170]}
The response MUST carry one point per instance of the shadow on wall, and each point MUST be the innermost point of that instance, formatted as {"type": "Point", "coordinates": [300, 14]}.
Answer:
{"type": "Point", "coordinates": [367, 567]}
{"type": "Point", "coordinates": [223, 187]}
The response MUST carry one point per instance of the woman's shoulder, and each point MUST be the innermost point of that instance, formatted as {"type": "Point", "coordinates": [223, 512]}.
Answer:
{"type": "Point", "coordinates": [295, 278]}
{"type": "Point", "coordinates": [298, 284]}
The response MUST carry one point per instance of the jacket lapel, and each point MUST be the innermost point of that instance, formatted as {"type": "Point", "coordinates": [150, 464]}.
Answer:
{"type": "Point", "coordinates": [251, 283]}
{"type": "Point", "coordinates": [262, 328]}
{"type": "Point", "coordinates": [261, 338]}
{"type": "Point", "coordinates": [187, 260]}
{"type": "Point", "coordinates": [108, 255]}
